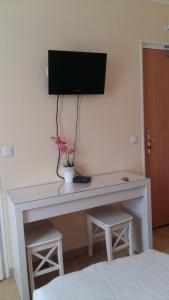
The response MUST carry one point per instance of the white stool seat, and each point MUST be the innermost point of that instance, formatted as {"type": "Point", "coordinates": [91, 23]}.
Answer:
{"type": "Point", "coordinates": [109, 217]}
{"type": "Point", "coordinates": [42, 240]}
{"type": "Point", "coordinates": [41, 233]}
{"type": "Point", "coordinates": [117, 226]}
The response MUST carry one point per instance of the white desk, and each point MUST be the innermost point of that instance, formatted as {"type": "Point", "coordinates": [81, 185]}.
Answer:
{"type": "Point", "coordinates": [39, 202]}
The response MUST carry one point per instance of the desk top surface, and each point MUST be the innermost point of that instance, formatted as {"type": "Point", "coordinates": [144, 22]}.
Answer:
{"type": "Point", "coordinates": [59, 188]}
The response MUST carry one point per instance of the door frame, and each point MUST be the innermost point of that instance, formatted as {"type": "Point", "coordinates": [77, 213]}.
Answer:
{"type": "Point", "coordinates": [148, 45]}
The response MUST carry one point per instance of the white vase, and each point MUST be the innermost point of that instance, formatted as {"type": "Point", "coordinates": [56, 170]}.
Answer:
{"type": "Point", "coordinates": [68, 174]}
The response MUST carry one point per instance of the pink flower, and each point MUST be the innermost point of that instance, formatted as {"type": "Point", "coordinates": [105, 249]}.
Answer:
{"type": "Point", "coordinates": [63, 147]}
{"type": "Point", "coordinates": [71, 150]}
{"type": "Point", "coordinates": [58, 140]}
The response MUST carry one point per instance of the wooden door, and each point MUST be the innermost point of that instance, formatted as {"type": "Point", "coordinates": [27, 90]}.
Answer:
{"type": "Point", "coordinates": [156, 120]}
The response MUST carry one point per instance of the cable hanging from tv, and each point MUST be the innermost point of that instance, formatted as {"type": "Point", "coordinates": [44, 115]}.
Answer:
{"type": "Point", "coordinates": [58, 136]}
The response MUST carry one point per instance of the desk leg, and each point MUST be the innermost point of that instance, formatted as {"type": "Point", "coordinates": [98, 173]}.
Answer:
{"type": "Point", "coordinates": [141, 209]}
{"type": "Point", "coordinates": [18, 250]}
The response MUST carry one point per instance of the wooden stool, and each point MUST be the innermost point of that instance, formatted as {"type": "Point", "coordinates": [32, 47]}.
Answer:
{"type": "Point", "coordinates": [116, 224]}
{"type": "Point", "coordinates": [38, 237]}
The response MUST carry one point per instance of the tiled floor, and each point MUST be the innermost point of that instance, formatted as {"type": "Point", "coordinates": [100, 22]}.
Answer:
{"type": "Point", "coordinates": [8, 289]}
{"type": "Point", "coordinates": [161, 239]}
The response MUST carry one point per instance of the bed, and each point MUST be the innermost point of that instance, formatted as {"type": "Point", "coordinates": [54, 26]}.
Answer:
{"type": "Point", "coordinates": [141, 277]}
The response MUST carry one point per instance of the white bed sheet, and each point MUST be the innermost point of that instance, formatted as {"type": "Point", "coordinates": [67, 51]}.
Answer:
{"type": "Point", "coordinates": [141, 277]}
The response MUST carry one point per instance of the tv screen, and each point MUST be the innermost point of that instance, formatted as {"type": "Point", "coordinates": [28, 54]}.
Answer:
{"type": "Point", "coordinates": [76, 72]}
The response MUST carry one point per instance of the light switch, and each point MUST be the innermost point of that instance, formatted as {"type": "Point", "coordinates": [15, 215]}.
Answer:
{"type": "Point", "coordinates": [166, 27]}
{"type": "Point", "coordinates": [133, 139]}
{"type": "Point", "coordinates": [7, 151]}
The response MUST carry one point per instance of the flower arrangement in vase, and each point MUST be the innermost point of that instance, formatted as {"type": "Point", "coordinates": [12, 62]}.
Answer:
{"type": "Point", "coordinates": [68, 152]}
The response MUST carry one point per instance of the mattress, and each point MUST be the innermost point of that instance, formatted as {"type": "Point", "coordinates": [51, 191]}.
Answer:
{"type": "Point", "coordinates": [141, 277]}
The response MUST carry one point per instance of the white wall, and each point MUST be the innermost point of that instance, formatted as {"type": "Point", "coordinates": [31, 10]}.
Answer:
{"type": "Point", "coordinates": [28, 29]}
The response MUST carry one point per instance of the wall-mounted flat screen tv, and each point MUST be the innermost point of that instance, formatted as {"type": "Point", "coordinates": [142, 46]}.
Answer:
{"type": "Point", "coordinates": [71, 72]}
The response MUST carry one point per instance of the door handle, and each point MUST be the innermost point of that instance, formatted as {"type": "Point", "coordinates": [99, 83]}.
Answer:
{"type": "Point", "coordinates": [150, 141]}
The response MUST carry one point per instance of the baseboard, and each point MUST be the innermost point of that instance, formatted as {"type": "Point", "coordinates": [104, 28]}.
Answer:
{"type": "Point", "coordinates": [11, 272]}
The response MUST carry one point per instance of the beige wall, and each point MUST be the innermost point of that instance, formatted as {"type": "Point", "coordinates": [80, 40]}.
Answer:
{"type": "Point", "coordinates": [28, 28]}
